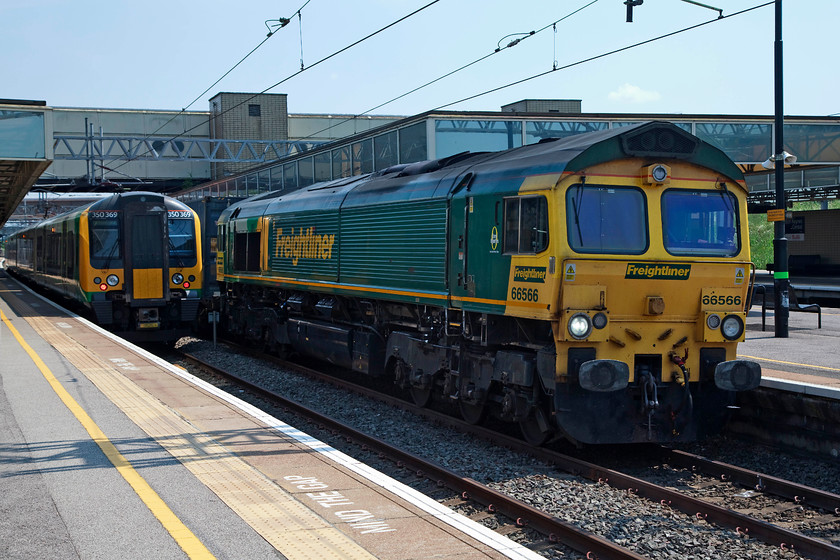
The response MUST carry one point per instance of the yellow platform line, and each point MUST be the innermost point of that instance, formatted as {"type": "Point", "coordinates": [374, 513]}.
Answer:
{"type": "Point", "coordinates": [185, 538]}
{"type": "Point", "coordinates": [812, 366]}
{"type": "Point", "coordinates": [284, 522]}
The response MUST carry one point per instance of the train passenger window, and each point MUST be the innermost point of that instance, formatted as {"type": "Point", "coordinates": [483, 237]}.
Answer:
{"type": "Point", "coordinates": [105, 246]}
{"type": "Point", "coordinates": [182, 242]}
{"type": "Point", "coordinates": [526, 225]}
{"type": "Point", "coordinates": [700, 223]}
{"type": "Point", "coordinates": [601, 219]}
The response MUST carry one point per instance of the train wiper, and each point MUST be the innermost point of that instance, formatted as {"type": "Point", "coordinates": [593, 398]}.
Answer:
{"type": "Point", "coordinates": [111, 255]}
{"type": "Point", "coordinates": [576, 204]}
{"type": "Point", "coordinates": [173, 252]}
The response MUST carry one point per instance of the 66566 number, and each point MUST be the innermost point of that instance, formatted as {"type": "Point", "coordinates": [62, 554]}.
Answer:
{"type": "Point", "coordinates": [524, 294]}
{"type": "Point", "coordinates": [721, 300]}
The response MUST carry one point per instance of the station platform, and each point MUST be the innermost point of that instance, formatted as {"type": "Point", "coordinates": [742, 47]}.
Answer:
{"type": "Point", "coordinates": [806, 361]}
{"type": "Point", "coordinates": [106, 451]}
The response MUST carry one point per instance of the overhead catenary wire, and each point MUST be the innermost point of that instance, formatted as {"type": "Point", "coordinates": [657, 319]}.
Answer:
{"type": "Point", "coordinates": [284, 80]}
{"type": "Point", "coordinates": [603, 55]}
{"type": "Point", "coordinates": [555, 66]}
{"type": "Point", "coordinates": [498, 49]}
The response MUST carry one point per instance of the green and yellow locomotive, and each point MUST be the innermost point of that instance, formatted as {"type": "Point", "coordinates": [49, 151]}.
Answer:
{"type": "Point", "coordinates": [592, 288]}
{"type": "Point", "coordinates": [133, 260]}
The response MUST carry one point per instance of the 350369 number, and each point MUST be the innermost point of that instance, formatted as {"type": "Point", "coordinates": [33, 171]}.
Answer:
{"type": "Point", "coordinates": [721, 300]}
{"type": "Point", "coordinates": [524, 294]}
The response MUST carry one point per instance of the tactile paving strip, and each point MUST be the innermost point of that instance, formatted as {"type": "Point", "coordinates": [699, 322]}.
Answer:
{"type": "Point", "coordinates": [290, 527]}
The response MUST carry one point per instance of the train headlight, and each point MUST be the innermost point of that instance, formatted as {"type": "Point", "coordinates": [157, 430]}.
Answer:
{"type": "Point", "coordinates": [177, 278]}
{"type": "Point", "coordinates": [112, 280]}
{"type": "Point", "coordinates": [732, 327]}
{"type": "Point", "coordinates": [580, 325]}
{"type": "Point", "coordinates": [659, 173]}
{"type": "Point", "coordinates": [97, 280]}
{"type": "Point", "coordinates": [713, 321]}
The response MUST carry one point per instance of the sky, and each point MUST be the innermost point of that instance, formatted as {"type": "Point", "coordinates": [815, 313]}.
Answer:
{"type": "Point", "coordinates": [164, 54]}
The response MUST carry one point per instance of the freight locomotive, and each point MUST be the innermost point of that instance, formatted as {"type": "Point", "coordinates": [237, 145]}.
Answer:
{"type": "Point", "coordinates": [592, 288]}
{"type": "Point", "coordinates": [133, 260]}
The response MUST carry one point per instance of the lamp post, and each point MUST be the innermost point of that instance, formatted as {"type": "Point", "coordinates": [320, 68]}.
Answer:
{"type": "Point", "coordinates": [781, 276]}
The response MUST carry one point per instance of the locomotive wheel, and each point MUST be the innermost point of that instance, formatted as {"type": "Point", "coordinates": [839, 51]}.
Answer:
{"type": "Point", "coordinates": [421, 396]}
{"type": "Point", "coordinates": [472, 413]}
{"type": "Point", "coordinates": [531, 430]}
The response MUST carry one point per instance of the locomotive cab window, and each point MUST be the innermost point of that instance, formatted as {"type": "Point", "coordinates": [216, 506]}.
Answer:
{"type": "Point", "coordinates": [601, 219]}
{"type": "Point", "coordinates": [700, 223]}
{"type": "Point", "coordinates": [526, 225]}
{"type": "Point", "coordinates": [105, 243]}
{"type": "Point", "coordinates": [182, 250]}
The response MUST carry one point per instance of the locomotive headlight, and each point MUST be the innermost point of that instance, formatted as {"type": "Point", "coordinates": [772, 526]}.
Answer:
{"type": "Point", "coordinates": [732, 327]}
{"type": "Point", "coordinates": [580, 325]}
{"type": "Point", "coordinates": [97, 280]}
{"type": "Point", "coordinates": [659, 173]}
{"type": "Point", "coordinates": [177, 278]}
{"type": "Point", "coordinates": [112, 280]}
{"type": "Point", "coordinates": [713, 321]}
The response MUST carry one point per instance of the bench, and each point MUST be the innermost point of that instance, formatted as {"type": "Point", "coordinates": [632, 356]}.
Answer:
{"type": "Point", "coordinates": [793, 304]}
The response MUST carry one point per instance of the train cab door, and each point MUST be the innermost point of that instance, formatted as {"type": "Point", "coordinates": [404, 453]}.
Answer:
{"type": "Point", "coordinates": [147, 257]}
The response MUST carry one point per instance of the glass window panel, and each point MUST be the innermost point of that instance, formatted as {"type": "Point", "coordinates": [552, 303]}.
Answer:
{"type": "Point", "coordinates": [290, 181]}
{"type": "Point", "coordinates": [533, 225]}
{"type": "Point", "coordinates": [822, 177]}
{"type": "Point", "coordinates": [341, 162]}
{"type": "Point", "coordinates": [413, 143]}
{"type": "Point", "coordinates": [603, 219]}
{"type": "Point", "coordinates": [813, 143]}
{"type": "Point", "coordinates": [322, 167]}
{"type": "Point", "coordinates": [385, 151]}
{"type": "Point", "coordinates": [743, 143]}
{"type": "Point", "coordinates": [363, 157]}
{"type": "Point", "coordinates": [181, 242]}
{"type": "Point", "coordinates": [453, 136]}
{"type": "Point", "coordinates": [700, 223]}
{"type": "Point", "coordinates": [105, 246]}
{"type": "Point", "coordinates": [306, 173]}
{"type": "Point", "coordinates": [252, 184]}
{"type": "Point", "coordinates": [276, 178]}
{"type": "Point", "coordinates": [21, 134]}
{"type": "Point", "coordinates": [511, 225]}
{"type": "Point", "coordinates": [539, 130]}
{"type": "Point", "coordinates": [757, 183]}
{"type": "Point", "coordinates": [263, 181]}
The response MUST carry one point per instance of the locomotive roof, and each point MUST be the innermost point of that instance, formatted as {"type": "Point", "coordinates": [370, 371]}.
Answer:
{"type": "Point", "coordinates": [119, 200]}
{"type": "Point", "coordinates": [656, 141]}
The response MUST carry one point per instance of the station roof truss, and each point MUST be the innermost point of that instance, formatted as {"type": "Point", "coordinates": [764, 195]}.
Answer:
{"type": "Point", "coordinates": [146, 148]}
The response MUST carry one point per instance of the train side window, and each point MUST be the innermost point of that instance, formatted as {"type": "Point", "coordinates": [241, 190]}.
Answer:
{"type": "Point", "coordinates": [526, 225]}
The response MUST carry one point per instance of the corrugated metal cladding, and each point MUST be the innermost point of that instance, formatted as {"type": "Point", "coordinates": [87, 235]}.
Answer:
{"type": "Point", "coordinates": [304, 246]}
{"type": "Point", "coordinates": [402, 246]}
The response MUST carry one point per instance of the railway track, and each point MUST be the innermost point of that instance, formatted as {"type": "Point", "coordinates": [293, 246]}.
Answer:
{"type": "Point", "coordinates": [467, 490]}
{"type": "Point", "coordinates": [745, 525]}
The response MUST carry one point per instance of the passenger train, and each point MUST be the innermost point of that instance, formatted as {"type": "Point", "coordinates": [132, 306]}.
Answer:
{"type": "Point", "coordinates": [591, 288]}
{"type": "Point", "coordinates": [133, 260]}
